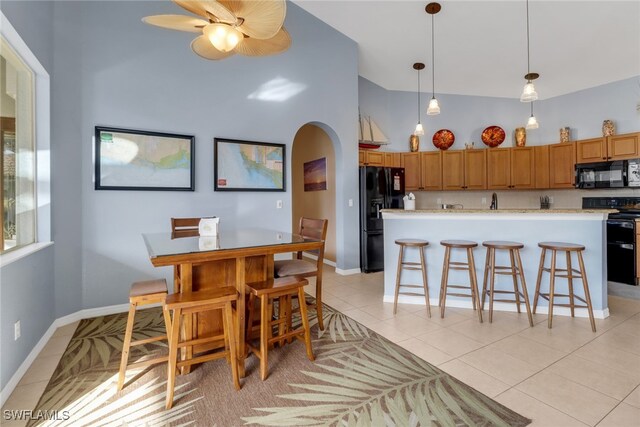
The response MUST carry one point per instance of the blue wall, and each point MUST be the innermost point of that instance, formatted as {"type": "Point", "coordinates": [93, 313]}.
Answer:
{"type": "Point", "coordinates": [467, 116]}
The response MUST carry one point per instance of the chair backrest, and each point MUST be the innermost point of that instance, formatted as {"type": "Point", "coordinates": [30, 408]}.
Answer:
{"type": "Point", "coordinates": [184, 227]}
{"type": "Point", "coordinates": [314, 229]}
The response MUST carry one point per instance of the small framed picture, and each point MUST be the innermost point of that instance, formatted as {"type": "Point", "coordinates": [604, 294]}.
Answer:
{"type": "Point", "coordinates": [128, 159]}
{"type": "Point", "coordinates": [248, 165]}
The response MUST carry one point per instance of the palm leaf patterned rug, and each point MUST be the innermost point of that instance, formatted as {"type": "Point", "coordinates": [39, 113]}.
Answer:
{"type": "Point", "coordinates": [358, 379]}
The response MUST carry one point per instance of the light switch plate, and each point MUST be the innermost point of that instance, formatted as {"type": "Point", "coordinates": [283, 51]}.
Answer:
{"type": "Point", "coordinates": [279, 204]}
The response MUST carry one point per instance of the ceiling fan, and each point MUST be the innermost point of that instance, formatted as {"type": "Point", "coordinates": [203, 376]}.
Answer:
{"type": "Point", "coordinates": [247, 27]}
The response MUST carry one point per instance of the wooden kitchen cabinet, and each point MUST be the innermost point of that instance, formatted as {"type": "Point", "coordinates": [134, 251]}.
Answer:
{"type": "Point", "coordinates": [498, 168]}
{"type": "Point", "coordinates": [591, 150]}
{"type": "Point", "coordinates": [411, 164]}
{"type": "Point", "coordinates": [562, 160]}
{"type": "Point", "coordinates": [431, 170]}
{"type": "Point", "coordinates": [523, 166]}
{"type": "Point", "coordinates": [541, 174]}
{"type": "Point", "coordinates": [370, 158]}
{"type": "Point", "coordinates": [475, 169]}
{"type": "Point", "coordinates": [392, 160]}
{"type": "Point", "coordinates": [621, 147]}
{"type": "Point", "coordinates": [453, 170]}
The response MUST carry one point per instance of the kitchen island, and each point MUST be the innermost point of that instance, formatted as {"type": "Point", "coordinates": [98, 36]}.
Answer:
{"type": "Point", "coordinates": [586, 227]}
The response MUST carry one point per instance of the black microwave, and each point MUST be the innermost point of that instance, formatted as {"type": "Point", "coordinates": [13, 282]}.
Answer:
{"type": "Point", "coordinates": [602, 174]}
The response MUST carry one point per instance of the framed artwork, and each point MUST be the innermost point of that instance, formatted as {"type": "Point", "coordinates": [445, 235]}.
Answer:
{"type": "Point", "coordinates": [128, 159]}
{"type": "Point", "coordinates": [315, 175]}
{"type": "Point", "coordinates": [248, 165]}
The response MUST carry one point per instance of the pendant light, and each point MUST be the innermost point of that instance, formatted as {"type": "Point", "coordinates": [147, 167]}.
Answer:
{"type": "Point", "coordinates": [529, 93]}
{"type": "Point", "coordinates": [434, 108]}
{"type": "Point", "coordinates": [418, 66]}
{"type": "Point", "coordinates": [532, 123]}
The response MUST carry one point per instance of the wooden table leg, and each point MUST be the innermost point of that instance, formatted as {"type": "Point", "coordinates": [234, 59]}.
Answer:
{"type": "Point", "coordinates": [240, 312]}
{"type": "Point", "coordinates": [186, 285]}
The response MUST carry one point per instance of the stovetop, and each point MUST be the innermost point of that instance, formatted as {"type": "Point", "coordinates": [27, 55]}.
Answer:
{"type": "Point", "coordinates": [629, 207]}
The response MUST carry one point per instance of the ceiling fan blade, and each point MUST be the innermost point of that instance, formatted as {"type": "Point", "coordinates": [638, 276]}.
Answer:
{"type": "Point", "coordinates": [262, 18]}
{"type": "Point", "coordinates": [205, 8]}
{"type": "Point", "coordinates": [201, 46]}
{"type": "Point", "coordinates": [176, 22]}
{"type": "Point", "coordinates": [256, 47]}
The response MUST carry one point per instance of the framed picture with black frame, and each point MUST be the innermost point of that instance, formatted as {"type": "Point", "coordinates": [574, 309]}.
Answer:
{"type": "Point", "coordinates": [127, 159]}
{"type": "Point", "coordinates": [249, 165]}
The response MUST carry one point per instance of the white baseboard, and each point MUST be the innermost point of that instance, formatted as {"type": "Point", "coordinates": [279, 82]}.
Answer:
{"type": "Point", "coordinates": [62, 321]}
{"type": "Point", "coordinates": [348, 272]}
{"type": "Point", "coordinates": [499, 306]}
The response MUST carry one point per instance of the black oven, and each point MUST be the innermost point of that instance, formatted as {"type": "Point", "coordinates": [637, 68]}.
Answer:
{"type": "Point", "coordinates": [602, 175]}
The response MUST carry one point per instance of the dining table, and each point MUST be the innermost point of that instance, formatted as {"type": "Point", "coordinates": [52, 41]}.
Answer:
{"type": "Point", "coordinates": [234, 257]}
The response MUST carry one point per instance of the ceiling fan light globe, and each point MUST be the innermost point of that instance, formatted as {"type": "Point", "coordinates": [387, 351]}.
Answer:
{"type": "Point", "coordinates": [223, 37]}
{"type": "Point", "coordinates": [419, 130]}
{"type": "Point", "coordinates": [532, 123]}
{"type": "Point", "coordinates": [434, 108]}
{"type": "Point", "coordinates": [529, 93]}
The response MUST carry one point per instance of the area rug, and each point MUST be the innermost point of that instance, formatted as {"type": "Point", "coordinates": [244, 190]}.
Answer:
{"type": "Point", "coordinates": [358, 379]}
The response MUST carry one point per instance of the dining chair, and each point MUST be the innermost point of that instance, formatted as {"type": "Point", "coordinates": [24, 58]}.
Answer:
{"type": "Point", "coordinates": [313, 229]}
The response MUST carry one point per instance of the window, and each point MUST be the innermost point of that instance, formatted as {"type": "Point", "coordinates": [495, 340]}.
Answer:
{"type": "Point", "coordinates": [17, 162]}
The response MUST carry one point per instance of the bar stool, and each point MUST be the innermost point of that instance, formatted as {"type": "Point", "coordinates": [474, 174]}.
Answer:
{"type": "Point", "coordinates": [284, 289]}
{"type": "Point", "coordinates": [571, 273]}
{"type": "Point", "coordinates": [402, 264]}
{"type": "Point", "coordinates": [188, 304]}
{"type": "Point", "coordinates": [469, 266]}
{"type": "Point", "coordinates": [515, 270]}
{"type": "Point", "coordinates": [142, 293]}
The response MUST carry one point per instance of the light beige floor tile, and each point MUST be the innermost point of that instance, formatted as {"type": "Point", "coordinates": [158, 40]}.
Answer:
{"type": "Point", "coordinates": [362, 300]}
{"type": "Point", "coordinates": [622, 416]}
{"type": "Point", "coordinates": [500, 365]}
{"type": "Point", "coordinates": [412, 325]}
{"type": "Point", "coordinates": [633, 398]}
{"type": "Point", "coordinates": [450, 342]}
{"type": "Point", "coordinates": [612, 357]}
{"type": "Point", "coordinates": [475, 378]}
{"type": "Point", "coordinates": [66, 330]}
{"type": "Point", "coordinates": [596, 376]}
{"type": "Point", "coordinates": [361, 317]}
{"type": "Point", "coordinates": [343, 291]}
{"type": "Point", "coordinates": [620, 340]}
{"type": "Point", "coordinates": [485, 333]}
{"type": "Point", "coordinates": [41, 369]}
{"type": "Point", "coordinates": [425, 351]}
{"type": "Point", "coordinates": [630, 327]}
{"type": "Point", "coordinates": [542, 415]}
{"type": "Point", "coordinates": [452, 315]}
{"type": "Point", "coordinates": [574, 399]}
{"type": "Point", "coordinates": [383, 310]}
{"type": "Point", "coordinates": [25, 396]}
{"type": "Point", "coordinates": [623, 306]}
{"type": "Point", "coordinates": [530, 351]}
{"type": "Point", "coordinates": [337, 303]}
{"type": "Point", "coordinates": [55, 346]}
{"type": "Point", "coordinates": [565, 338]}
{"type": "Point", "coordinates": [390, 332]}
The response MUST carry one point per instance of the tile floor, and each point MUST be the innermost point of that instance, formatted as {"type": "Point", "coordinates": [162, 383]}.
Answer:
{"type": "Point", "coordinates": [567, 376]}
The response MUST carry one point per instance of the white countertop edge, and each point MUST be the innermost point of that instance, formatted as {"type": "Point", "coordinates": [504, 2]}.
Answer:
{"type": "Point", "coordinates": [462, 216]}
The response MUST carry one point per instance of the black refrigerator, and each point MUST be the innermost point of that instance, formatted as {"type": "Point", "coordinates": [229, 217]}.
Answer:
{"type": "Point", "coordinates": [380, 188]}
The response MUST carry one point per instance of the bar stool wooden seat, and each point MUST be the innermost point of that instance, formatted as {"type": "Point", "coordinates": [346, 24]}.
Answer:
{"type": "Point", "coordinates": [406, 265]}
{"type": "Point", "coordinates": [515, 270]}
{"type": "Point", "coordinates": [570, 273]}
{"type": "Point", "coordinates": [142, 293]}
{"type": "Point", "coordinates": [267, 291]}
{"type": "Point", "coordinates": [469, 266]}
{"type": "Point", "coordinates": [192, 303]}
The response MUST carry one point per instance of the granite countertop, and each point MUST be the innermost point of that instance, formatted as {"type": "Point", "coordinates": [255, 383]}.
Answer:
{"type": "Point", "coordinates": [499, 211]}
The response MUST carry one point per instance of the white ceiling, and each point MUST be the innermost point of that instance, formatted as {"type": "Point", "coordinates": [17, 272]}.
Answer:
{"type": "Point", "coordinates": [481, 45]}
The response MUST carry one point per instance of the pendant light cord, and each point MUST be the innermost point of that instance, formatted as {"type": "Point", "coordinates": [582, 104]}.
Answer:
{"type": "Point", "coordinates": [433, 61]}
{"type": "Point", "coordinates": [528, 60]}
{"type": "Point", "coordinates": [418, 96]}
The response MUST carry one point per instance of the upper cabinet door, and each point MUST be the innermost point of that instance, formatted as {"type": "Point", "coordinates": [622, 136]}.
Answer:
{"type": "Point", "coordinates": [375, 158]}
{"type": "Point", "coordinates": [622, 147]}
{"type": "Point", "coordinates": [498, 168]}
{"type": "Point", "coordinates": [362, 158]}
{"type": "Point", "coordinates": [475, 169]}
{"type": "Point", "coordinates": [562, 159]}
{"type": "Point", "coordinates": [431, 170]}
{"type": "Point", "coordinates": [453, 170]}
{"type": "Point", "coordinates": [523, 167]}
{"type": "Point", "coordinates": [591, 150]}
{"type": "Point", "coordinates": [541, 166]}
{"type": "Point", "coordinates": [411, 164]}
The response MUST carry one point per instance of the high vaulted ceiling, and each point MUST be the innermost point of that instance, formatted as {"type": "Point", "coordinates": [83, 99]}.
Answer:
{"type": "Point", "coordinates": [480, 46]}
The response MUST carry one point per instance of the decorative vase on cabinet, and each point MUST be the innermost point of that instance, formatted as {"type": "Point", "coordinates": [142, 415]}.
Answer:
{"type": "Point", "coordinates": [414, 143]}
{"type": "Point", "coordinates": [521, 137]}
{"type": "Point", "coordinates": [565, 134]}
{"type": "Point", "coordinates": [608, 128]}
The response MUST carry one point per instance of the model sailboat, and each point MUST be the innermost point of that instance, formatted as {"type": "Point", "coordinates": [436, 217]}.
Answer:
{"type": "Point", "coordinates": [369, 134]}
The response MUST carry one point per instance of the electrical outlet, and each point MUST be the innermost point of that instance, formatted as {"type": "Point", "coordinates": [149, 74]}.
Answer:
{"type": "Point", "coordinates": [16, 330]}
{"type": "Point", "coordinates": [350, 203]}
{"type": "Point", "coordinates": [484, 200]}
{"type": "Point", "coordinates": [551, 199]}
{"type": "Point", "coordinates": [279, 204]}
{"type": "Point", "coordinates": [439, 201]}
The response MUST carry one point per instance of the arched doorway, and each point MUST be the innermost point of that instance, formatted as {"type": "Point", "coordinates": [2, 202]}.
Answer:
{"type": "Point", "coordinates": [311, 144]}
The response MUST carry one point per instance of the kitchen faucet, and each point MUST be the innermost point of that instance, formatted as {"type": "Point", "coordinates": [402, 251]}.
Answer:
{"type": "Point", "coordinates": [494, 202]}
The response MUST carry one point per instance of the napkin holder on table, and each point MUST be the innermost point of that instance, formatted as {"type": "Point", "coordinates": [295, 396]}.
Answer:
{"type": "Point", "coordinates": [208, 243]}
{"type": "Point", "coordinates": [208, 226]}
